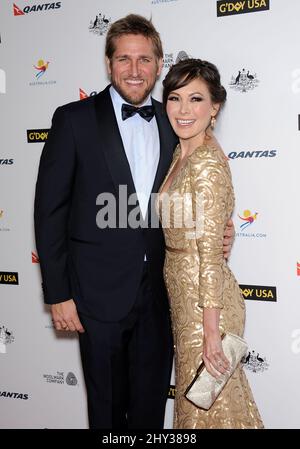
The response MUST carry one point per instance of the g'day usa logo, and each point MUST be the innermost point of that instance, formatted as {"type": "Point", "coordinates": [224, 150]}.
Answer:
{"type": "Point", "coordinates": [35, 8]}
{"type": "Point", "coordinates": [259, 293]}
{"type": "Point", "coordinates": [172, 391]}
{"type": "Point", "coordinates": [9, 277]}
{"type": "Point", "coordinates": [225, 8]}
{"type": "Point", "coordinates": [37, 135]}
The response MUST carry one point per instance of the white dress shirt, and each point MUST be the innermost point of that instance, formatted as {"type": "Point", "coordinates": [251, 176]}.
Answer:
{"type": "Point", "coordinates": [141, 143]}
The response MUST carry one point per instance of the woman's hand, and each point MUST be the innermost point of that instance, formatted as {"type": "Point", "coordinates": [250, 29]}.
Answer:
{"type": "Point", "coordinates": [213, 356]}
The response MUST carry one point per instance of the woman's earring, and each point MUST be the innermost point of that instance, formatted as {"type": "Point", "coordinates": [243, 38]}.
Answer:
{"type": "Point", "coordinates": [213, 122]}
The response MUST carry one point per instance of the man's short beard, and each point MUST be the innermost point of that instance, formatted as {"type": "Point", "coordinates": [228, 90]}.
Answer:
{"type": "Point", "coordinates": [130, 100]}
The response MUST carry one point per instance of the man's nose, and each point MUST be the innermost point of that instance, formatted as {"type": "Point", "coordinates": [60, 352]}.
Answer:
{"type": "Point", "coordinates": [134, 68]}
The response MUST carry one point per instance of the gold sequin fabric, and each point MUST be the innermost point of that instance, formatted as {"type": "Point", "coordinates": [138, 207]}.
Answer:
{"type": "Point", "coordinates": [197, 276]}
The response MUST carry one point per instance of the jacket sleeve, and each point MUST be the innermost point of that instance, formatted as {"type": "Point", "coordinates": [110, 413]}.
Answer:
{"type": "Point", "coordinates": [213, 197]}
{"type": "Point", "coordinates": [52, 205]}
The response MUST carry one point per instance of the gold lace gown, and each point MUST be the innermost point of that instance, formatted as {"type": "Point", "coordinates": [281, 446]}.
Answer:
{"type": "Point", "coordinates": [197, 276]}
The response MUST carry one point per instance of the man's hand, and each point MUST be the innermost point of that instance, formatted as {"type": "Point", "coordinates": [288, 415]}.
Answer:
{"type": "Point", "coordinates": [65, 317]}
{"type": "Point", "coordinates": [228, 238]}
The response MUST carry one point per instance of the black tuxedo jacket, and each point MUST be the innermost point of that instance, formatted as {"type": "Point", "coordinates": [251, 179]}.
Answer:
{"type": "Point", "coordinates": [99, 268]}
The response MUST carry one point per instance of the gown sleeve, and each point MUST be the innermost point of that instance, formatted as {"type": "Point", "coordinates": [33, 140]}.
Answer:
{"type": "Point", "coordinates": [212, 196]}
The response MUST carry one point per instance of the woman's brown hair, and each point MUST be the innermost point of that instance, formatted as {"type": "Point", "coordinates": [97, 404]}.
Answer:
{"type": "Point", "coordinates": [187, 70]}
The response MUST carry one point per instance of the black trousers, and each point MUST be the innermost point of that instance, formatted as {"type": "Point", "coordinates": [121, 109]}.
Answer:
{"type": "Point", "coordinates": [127, 365]}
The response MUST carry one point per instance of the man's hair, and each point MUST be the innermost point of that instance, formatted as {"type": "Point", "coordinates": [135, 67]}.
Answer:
{"type": "Point", "coordinates": [133, 24]}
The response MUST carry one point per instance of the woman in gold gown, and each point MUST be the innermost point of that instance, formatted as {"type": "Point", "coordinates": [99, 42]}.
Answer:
{"type": "Point", "coordinates": [196, 200]}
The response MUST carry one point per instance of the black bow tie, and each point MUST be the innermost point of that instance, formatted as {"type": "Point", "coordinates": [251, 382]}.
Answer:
{"type": "Point", "coordinates": [146, 112]}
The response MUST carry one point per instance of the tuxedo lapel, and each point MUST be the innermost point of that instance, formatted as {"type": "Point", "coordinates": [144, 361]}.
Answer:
{"type": "Point", "coordinates": [111, 143]}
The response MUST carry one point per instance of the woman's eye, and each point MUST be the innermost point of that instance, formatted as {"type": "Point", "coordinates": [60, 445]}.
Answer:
{"type": "Point", "coordinates": [197, 99]}
{"type": "Point", "coordinates": [172, 98]}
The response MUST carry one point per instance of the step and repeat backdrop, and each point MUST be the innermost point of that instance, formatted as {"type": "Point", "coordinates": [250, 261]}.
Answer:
{"type": "Point", "coordinates": [53, 53]}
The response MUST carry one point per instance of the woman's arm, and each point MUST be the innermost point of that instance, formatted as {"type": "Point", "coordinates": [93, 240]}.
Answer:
{"type": "Point", "coordinates": [211, 187]}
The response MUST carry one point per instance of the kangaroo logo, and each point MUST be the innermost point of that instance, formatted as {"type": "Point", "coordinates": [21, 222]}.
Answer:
{"type": "Point", "coordinates": [99, 25]}
{"type": "Point", "coordinates": [6, 337]}
{"type": "Point", "coordinates": [254, 362]}
{"type": "Point", "coordinates": [247, 218]}
{"type": "Point", "coordinates": [244, 81]}
{"type": "Point", "coordinates": [41, 67]}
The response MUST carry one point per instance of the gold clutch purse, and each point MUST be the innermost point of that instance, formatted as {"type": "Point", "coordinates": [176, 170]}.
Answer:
{"type": "Point", "coordinates": [204, 389]}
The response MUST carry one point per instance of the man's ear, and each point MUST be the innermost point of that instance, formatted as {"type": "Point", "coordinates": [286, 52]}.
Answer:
{"type": "Point", "coordinates": [108, 66]}
{"type": "Point", "coordinates": [159, 66]}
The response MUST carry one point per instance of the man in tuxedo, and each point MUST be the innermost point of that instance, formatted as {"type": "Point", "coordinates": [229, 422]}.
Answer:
{"type": "Point", "coordinates": [107, 282]}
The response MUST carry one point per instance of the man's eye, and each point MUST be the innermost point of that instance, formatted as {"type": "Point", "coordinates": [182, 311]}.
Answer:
{"type": "Point", "coordinates": [145, 60]}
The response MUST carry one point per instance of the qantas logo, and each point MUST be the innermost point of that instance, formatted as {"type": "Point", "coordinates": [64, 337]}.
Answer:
{"type": "Point", "coordinates": [34, 258]}
{"type": "Point", "coordinates": [10, 394]}
{"type": "Point", "coordinates": [6, 161]}
{"type": "Point", "coordinates": [83, 95]}
{"type": "Point", "coordinates": [35, 8]}
{"type": "Point", "coordinates": [252, 154]}
{"type": "Point", "coordinates": [18, 11]}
